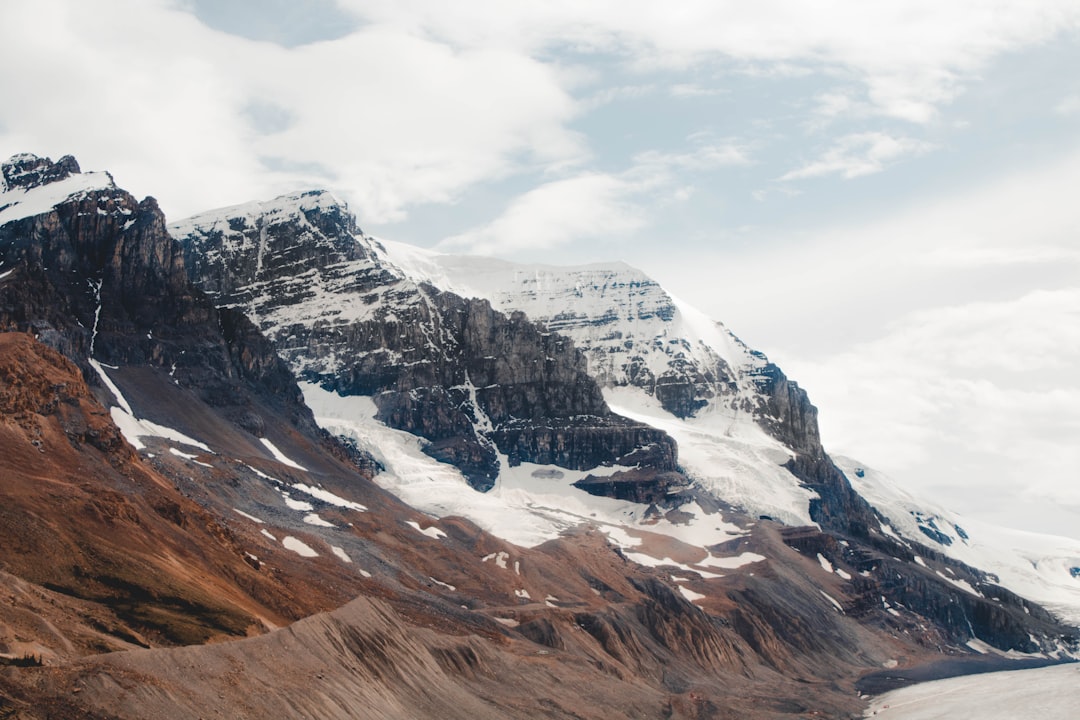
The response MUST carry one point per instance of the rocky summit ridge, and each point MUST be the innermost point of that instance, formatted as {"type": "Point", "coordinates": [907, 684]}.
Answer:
{"type": "Point", "coordinates": [179, 529]}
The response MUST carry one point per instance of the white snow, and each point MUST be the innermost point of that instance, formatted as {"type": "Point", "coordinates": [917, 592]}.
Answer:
{"type": "Point", "coordinates": [530, 504]}
{"type": "Point", "coordinates": [314, 519]}
{"type": "Point", "coordinates": [301, 505]}
{"type": "Point", "coordinates": [834, 601]}
{"type": "Point", "coordinates": [1051, 693]}
{"type": "Point", "coordinates": [268, 534]}
{"type": "Point", "coordinates": [252, 518]}
{"type": "Point", "coordinates": [523, 593]}
{"type": "Point", "coordinates": [431, 532]}
{"type": "Point", "coordinates": [280, 456]}
{"type": "Point", "coordinates": [690, 594]}
{"type": "Point", "coordinates": [6, 273]}
{"type": "Point", "coordinates": [133, 428]}
{"type": "Point", "coordinates": [825, 564]}
{"type": "Point", "coordinates": [298, 546]}
{"type": "Point", "coordinates": [614, 312]}
{"type": "Point", "coordinates": [728, 454]}
{"type": "Point", "coordinates": [732, 562]}
{"type": "Point", "coordinates": [328, 497]}
{"type": "Point", "coordinates": [448, 586]}
{"type": "Point", "coordinates": [19, 203]}
{"type": "Point", "coordinates": [188, 456]}
{"type": "Point", "coordinates": [1032, 565]}
{"type": "Point", "coordinates": [340, 552]}
{"type": "Point", "coordinates": [500, 558]}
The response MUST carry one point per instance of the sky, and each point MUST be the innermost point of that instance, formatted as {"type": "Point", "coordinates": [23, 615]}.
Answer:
{"type": "Point", "coordinates": [881, 196]}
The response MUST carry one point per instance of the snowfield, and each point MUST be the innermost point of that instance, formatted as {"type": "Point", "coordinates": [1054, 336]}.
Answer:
{"type": "Point", "coordinates": [1051, 693]}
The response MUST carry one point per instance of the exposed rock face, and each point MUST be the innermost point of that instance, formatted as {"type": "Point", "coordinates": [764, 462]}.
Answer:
{"type": "Point", "coordinates": [467, 378]}
{"type": "Point", "coordinates": [28, 171]}
{"type": "Point", "coordinates": [93, 273]}
{"type": "Point", "coordinates": [633, 333]}
{"type": "Point", "coordinates": [636, 335]}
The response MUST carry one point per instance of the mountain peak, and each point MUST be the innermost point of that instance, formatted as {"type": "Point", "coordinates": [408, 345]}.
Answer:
{"type": "Point", "coordinates": [27, 170]}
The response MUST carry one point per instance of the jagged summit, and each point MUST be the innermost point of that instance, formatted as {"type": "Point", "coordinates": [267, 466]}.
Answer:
{"type": "Point", "coordinates": [204, 503]}
{"type": "Point", "coordinates": [32, 185]}
{"type": "Point", "coordinates": [474, 382]}
{"type": "Point", "coordinates": [28, 171]}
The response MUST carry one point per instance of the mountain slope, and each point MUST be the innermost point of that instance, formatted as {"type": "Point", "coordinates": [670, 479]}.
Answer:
{"type": "Point", "coordinates": [179, 490]}
{"type": "Point", "coordinates": [472, 381]}
{"type": "Point", "coordinates": [747, 436]}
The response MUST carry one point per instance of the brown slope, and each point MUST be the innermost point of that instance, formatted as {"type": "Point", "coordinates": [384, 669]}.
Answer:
{"type": "Point", "coordinates": [81, 514]}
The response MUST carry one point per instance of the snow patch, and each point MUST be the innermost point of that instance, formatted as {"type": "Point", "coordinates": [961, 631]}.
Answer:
{"type": "Point", "coordinates": [280, 456]}
{"type": "Point", "coordinates": [20, 203]}
{"type": "Point", "coordinates": [732, 562]}
{"type": "Point", "coordinates": [298, 546]}
{"type": "Point", "coordinates": [341, 554]}
{"type": "Point", "coordinates": [314, 519]}
{"type": "Point", "coordinates": [690, 594]}
{"type": "Point", "coordinates": [431, 532]}
{"type": "Point", "coordinates": [252, 518]}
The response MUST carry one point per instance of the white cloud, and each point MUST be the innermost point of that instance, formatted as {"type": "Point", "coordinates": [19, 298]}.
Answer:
{"type": "Point", "coordinates": [149, 93]}
{"type": "Point", "coordinates": [859, 154]}
{"type": "Point", "coordinates": [911, 57]}
{"type": "Point", "coordinates": [707, 156]}
{"type": "Point", "coordinates": [1069, 106]}
{"type": "Point", "coordinates": [961, 396]}
{"type": "Point", "coordinates": [588, 206]}
{"type": "Point", "coordinates": [596, 206]}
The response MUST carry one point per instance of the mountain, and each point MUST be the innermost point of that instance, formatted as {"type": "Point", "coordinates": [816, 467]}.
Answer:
{"type": "Point", "coordinates": [183, 537]}
{"type": "Point", "coordinates": [472, 381]}
{"type": "Point", "coordinates": [747, 437]}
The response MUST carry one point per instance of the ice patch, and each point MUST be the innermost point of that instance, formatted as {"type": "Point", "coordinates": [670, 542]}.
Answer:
{"type": "Point", "coordinates": [731, 563]}
{"type": "Point", "coordinates": [328, 497]}
{"type": "Point", "coordinates": [431, 532]}
{"type": "Point", "coordinates": [298, 546]}
{"type": "Point", "coordinates": [252, 518]}
{"type": "Point", "coordinates": [690, 594]}
{"type": "Point", "coordinates": [188, 456]}
{"type": "Point", "coordinates": [314, 519]}
{"type": "Point", "coordinates": [301, 505]}
{"type": "Point", "coordinates": [834, 601]}
{"type": "Point", "coordinates": [280, 456]}
{"type": "Point", "coordinates": [530, 504]}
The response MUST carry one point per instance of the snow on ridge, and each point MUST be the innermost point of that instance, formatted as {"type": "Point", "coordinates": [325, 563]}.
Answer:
{"type": "Point", "coordinates": [281, 206]}
{"type": "Point", "coordinates": [612, 311]}
{"type": "Point", "coordinates": [1032, 565]}
{"type": "Point", "coordinates": [18, 203]}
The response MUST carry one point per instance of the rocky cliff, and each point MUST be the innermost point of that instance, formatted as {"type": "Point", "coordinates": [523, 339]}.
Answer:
{"type": "Point", "coordinates": [473, 381]}
{"type": "Point", "coordinates": [92, 272]}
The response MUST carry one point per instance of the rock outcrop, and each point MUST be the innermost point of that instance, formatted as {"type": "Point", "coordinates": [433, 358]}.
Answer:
{"type": "Point", "coordinates": [471, 380]}
{"type": "Point", "coordinates": [93, 273]}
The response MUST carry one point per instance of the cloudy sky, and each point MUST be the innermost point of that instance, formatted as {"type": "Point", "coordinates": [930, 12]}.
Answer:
{"type": "Point", "coordinates": [882, 196]}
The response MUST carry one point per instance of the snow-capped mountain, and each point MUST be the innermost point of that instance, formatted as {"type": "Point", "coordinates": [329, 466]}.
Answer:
{"type": "Point", "coordinates": [746, 436]}
{"type": "Point", "coordinates": [641, 342]}
{"type": "Point", "coordinates": [1044, 568]}
{"type": "Point", "coordinates": [473, 382]}
{"type": "Point", "coordinates": [164, 483]}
